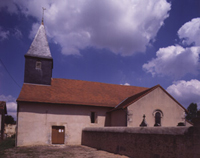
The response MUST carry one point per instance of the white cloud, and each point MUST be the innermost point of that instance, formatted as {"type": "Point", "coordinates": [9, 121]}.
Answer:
{"type": "Point", "coordinates": [190, 32]}
{"type": "Point", "coordinates": [122, 26]}
{"type": "Point", "coordinates": [34, 30]}
{"type": "Point", "coordinates": [14, 32]}
{"type": "Point", "coordinates": [8, 98]}
{"type": "Point", "coordinates": [11, 104]}
{"type": "Point", "coordinates": [3, 34]}
{"type": "Point", "coordinates": [9, 5]}
{"type": "Point", "coordinates": [126, 84]}
{"type": "Point", "coordinates": [174, 61]}
{"type": "Point", "coordinates": [186, 92]}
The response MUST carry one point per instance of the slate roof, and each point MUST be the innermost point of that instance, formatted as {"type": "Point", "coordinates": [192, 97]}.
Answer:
{"type": "Point", "coordinates": [66, 91]}
{"type": "Point", "coordinates": [40, 46]}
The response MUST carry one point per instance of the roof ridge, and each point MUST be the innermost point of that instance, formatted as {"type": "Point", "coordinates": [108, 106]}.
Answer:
{"type": "Point", "coordinates": [98, 82]}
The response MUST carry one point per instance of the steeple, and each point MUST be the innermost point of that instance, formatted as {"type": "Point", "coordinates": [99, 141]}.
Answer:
{"type": "Point", "coordinates": [40, 46]}
{"type": "Point", "coordinates": [43, 9]}
{"type": "Point", "coordinates": [38, 60]}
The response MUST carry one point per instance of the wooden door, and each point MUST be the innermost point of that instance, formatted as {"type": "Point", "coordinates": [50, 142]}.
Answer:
{"type": "Point", "coordinates": [58, 134]}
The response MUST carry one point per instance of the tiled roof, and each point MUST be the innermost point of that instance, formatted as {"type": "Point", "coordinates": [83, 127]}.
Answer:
{"type": "Point", "coordinates": [40, 46]}
{"type": "Point", "coordinates": [66, 91]}
{"type": "Point", "coordinates": [129, 100]}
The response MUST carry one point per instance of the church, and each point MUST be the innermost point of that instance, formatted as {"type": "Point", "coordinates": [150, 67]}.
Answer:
{"type": "Point", "coordinates": [55, 111]}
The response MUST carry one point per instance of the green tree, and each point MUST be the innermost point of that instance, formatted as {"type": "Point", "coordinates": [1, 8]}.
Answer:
{"type": "Point", "coordinates": [9, 120]}
{"type": "Point", "coordinates": [192, 111]}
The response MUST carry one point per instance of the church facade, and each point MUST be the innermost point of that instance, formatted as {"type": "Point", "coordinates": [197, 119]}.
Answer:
{"type": "Point", "coordinates": [54, 111]}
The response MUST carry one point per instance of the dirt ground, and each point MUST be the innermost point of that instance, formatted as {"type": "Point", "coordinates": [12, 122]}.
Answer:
{"type": "Point", "coordinates": [57, 152]}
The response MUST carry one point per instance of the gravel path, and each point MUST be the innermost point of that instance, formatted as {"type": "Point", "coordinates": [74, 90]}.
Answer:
{"type": "Point", "coordinates": [57, 152]}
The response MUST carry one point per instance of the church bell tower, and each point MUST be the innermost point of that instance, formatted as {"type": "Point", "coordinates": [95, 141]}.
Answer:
{"type": "Point", "coordinates": [38, 60]}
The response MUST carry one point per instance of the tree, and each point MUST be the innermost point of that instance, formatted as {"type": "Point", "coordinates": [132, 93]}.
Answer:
{"type": "Point", "coordinates": [9, 120]}
{"type": "Point", "coordinates": [192, 111]}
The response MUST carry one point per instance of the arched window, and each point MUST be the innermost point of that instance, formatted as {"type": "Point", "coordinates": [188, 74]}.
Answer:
{"type": "Point", "coordinates": [157, 119]}
{"type": "Point", "coordinates": [158, 115]}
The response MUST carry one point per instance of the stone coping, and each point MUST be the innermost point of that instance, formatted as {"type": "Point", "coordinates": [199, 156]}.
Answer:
{"type": "Point", "coordinates": [140, 130]}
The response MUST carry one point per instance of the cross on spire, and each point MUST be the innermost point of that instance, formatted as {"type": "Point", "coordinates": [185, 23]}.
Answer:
{"type": "Point", "coordinates": [43, 15]}
{"type": "Point", "coordinates": [143, 124]}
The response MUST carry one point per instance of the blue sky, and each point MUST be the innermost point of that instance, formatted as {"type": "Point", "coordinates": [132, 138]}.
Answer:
{"type": "Point", "coordinates": [132, 42]}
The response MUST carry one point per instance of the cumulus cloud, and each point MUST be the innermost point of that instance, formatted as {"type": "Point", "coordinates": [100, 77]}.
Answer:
{"type": "Point", "coordinates": [186, 92]}
{"type": "Point", "coordinates": [122, 26]}
{"type": "Point", "coordinates": [177, 61]}
{"type": "Point", "coordinates": [11, 107]}
{"type": "Point", "coordinates": [126, 84]}
{"type": "Point", "coordinates": [34, 30]}
{"type": "Point", "coordinates": [190, 32]}
{"type": "Point", "coordinates": [10, 104]}
{"type": "Point", "coordinates": [3, 34]}
{"type": "Point", "coordinates": [8, 98]}
{"type": "Point", "coordinates": [174, 61]}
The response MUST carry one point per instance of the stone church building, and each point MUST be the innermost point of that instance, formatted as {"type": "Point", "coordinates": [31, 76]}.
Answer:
{"type": "Point", "coordinates": [54, 110]}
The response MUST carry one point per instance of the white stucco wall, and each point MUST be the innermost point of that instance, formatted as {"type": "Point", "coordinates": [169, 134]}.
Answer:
{"type": "Point", "coordinates": [35, 122]}
{"type": "Point", "coordinates": [157, 99]}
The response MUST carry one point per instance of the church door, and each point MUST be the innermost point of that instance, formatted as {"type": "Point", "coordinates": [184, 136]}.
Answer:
{"type": "Point", "coordinates": [58, 134]}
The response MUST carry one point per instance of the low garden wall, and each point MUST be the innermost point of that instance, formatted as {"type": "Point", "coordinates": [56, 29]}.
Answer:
{"type": "Point", "coordinates": [146, 142]}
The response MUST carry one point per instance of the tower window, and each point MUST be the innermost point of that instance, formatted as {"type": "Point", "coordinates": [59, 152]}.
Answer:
{"type": "Point", "coordinates": [93, 117]}
{"type": "Point", "coordinates": [38, 65]}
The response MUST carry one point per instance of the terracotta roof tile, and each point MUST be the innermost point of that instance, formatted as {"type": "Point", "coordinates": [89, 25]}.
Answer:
{"type": "Point", "coordinates": [66, 91]}
{"type": "Point", "coordinates": [128, 101]}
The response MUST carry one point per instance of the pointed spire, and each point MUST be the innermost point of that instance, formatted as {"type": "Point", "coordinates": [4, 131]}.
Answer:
{"type": "Point", "coordinates": [40, 46]}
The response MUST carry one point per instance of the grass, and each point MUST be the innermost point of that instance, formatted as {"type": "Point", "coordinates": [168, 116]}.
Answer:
{"type": "Point", "coordinates": [7, 143]}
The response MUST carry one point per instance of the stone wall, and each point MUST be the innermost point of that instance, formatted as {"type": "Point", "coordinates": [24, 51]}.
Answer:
{"type": "Point", "coordinates": [146, 142]}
